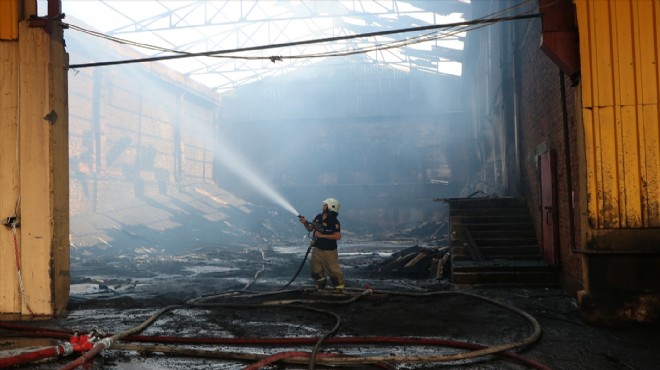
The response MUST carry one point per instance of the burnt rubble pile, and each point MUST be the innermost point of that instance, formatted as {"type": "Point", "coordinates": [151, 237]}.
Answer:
{"type": "Point", "coordinates": [414, 263]}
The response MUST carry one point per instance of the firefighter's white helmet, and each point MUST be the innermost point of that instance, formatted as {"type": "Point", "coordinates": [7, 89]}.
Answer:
{"type": "Point", "coordinates": [333, 204]}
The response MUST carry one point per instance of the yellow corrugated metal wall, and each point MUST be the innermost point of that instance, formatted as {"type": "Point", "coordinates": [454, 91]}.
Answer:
{"type": "Point", "coordinates": [8, 19]}
{"type": "Point", "coordinates": [619, 47]}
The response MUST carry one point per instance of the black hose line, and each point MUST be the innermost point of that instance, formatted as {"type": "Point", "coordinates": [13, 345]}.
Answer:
{"type": "Point", "coordinates": [312, 359]}
{"type": "Point", "coordinates": [299, 268]}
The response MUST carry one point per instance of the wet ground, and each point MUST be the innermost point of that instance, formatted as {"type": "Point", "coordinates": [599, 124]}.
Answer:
{"type": "Point", "coordinates": [228, 308]}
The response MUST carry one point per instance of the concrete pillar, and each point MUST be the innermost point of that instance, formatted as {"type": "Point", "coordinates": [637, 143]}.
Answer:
{"type": "Point", "coordinates": [34, 172]}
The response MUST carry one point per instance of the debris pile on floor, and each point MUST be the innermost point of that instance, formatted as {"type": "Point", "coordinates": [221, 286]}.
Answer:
{"type": "Point", "coordinates": [414, 263]}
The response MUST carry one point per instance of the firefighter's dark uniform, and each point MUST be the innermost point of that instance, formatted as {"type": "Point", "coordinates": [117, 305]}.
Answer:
{"type": "Point", "coordinates": [325, 259]}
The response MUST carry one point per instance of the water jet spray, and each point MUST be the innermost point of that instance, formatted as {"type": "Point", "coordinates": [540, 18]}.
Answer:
{"type": "Point", "coordinates": [242, 168]}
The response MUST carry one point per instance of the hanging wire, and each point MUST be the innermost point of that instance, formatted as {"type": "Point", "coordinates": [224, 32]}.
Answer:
{"type": "Point", "coordinates": [462, 27]}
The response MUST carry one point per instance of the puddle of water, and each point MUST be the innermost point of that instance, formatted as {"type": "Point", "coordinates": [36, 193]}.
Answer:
{"type": "Point", "coordinates": [80, 289]}
{"type": "Point", "coordinates": [290, 249]}
{"type": "Point", "coordinates": [360, 254]}
{"type": "Point", "coordinates": [209, 269]}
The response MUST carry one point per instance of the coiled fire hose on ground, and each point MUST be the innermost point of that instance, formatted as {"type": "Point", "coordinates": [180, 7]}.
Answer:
{"type": "Point", "coordinates": [475, 350]}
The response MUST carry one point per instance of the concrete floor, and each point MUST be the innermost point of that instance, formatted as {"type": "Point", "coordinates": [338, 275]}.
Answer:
{"type": "Point", "coordinates": [113, 293]}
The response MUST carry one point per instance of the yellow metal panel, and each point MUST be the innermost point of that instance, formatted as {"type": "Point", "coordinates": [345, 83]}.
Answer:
{"type": "Point", "coordinates": [609, 194]}
{"type": "Point", "coordinates": [8, 19]}
{"type": "Point", "coordinates": [624, 63]}
{"type": "Point", "coordinates": [9, 299]}
{"type": "Point", "coordinates": [590, 154]}
{"type": "Point", "coordinates": [648, 22]}
{"type": "Point", "coordinates": [630, 166]}
{"type": "Point", "coordinates": [651, 178]}
{"type": "Point", "coordinates": [584, 28]}
{"type": "Point", "coordinates": [603, 56]}
{"type": "Point", "coordinates": [619, 49]}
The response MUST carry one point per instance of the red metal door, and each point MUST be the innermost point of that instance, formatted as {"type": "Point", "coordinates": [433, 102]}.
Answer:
{"type": "Point", "coordinates": [549, 229]}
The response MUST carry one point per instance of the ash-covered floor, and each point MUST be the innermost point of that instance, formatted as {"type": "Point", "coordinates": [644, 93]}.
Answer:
{"type": "Point", "coordinates": [231, 308]}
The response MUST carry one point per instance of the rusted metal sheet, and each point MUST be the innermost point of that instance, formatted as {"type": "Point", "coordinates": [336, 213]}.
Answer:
{"type": "Point", "coordinates": [619, 45]}
{"type": "Point", "coordinates": [9, 20]}
{"type": "Point", "coordinates": [559, 36]}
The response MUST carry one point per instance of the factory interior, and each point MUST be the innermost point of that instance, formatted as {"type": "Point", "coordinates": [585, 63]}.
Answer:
{"type": "Point", "coordinates": [491, 170]}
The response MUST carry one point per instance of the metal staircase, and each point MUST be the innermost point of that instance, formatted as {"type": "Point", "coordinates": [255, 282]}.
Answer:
{"type": "Point", "coordinates": [493, 243]}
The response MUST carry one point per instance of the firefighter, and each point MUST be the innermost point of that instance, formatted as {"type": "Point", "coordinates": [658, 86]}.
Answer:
{"type": "Point", "coordinates": [325, 259]}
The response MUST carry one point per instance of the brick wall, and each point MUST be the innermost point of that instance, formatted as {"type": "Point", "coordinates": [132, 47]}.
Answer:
{"type": "Point", "coordinates": [543, 123]}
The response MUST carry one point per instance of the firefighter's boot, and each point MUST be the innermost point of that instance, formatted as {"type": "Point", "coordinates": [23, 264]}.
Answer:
{"type": "Point", "coordinates": [338, 284]}
{"type": "Point", "coordinates": [320, 283]}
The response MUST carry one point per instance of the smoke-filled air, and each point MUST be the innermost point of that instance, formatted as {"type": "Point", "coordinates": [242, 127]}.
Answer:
{"type": "Point", "coordinates": [188, 152]}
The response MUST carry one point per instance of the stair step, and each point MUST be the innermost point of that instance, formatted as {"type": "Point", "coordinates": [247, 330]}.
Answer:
{"type": "Point", "coordinates": [500, 265]}
{"type": "Point", "coordinates": [489, 211]}
{"type": "Point", "coordinates": [513, 257]}
{"type": "Point", "coordinates": [497, 273]}
{"type": "Point", "coordinates": [497, 242]}
{"type": "Point", "coordinates": [499, 278]}
{"type": "Point", "coordinates": [498, 234]}
{"type": "Point", "coordinates": [487, 202]}
{"type": "Point", "coordinates": [460, 257]}
{"type": "Point", "coordinates": [466, 256]}
{"type": "Point", "coordinates": [491, 219]}
{"type": "Point", "coordinates": [494, 243]}
{"type": "Point", "coordinates": [503, 226]}
{"type": "Point", "coordinates": [511, 250]}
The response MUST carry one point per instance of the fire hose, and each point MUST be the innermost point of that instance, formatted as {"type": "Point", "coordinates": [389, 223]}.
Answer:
{"type": "Point", "coordinates": [63, 350]}
{"type": "Point", "coordinates": [195, 352]}
{"type": "Point", "coordinates": [309, 249]}
{"type": "Point", "coordinates": [108, 341]}
{"type": "Point", "coordinates": [76, 343]}
{"type": "Point", "coordinates": [262, 341]}
{"type": "Point", "coordinates": [295, 276]}
{"type": "Point", "coordinates": [475, 350]}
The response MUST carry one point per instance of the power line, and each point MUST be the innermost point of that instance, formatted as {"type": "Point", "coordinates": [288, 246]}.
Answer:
{"type": "Point", "coordinates": [483, 21]}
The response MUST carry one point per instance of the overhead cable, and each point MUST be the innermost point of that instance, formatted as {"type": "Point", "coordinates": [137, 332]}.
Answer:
{"type": "Point", "coordinates": [181, 55]}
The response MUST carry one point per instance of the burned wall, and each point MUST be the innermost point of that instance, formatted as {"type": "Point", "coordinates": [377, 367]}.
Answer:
{"type": "Point", "coordinates": [140, 155]}
{"type": "Point", "coordinates": [149, 134]}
